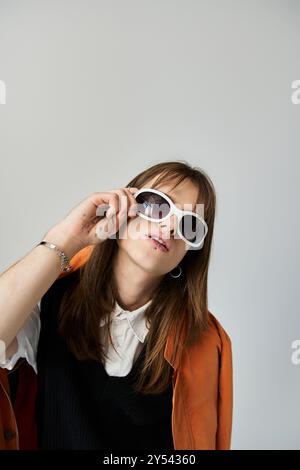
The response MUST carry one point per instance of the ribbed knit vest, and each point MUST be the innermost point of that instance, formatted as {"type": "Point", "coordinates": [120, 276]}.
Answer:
{"type": "Point", "coordinates": [80, 406]}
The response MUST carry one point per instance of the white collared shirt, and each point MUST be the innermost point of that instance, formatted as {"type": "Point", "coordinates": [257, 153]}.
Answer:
{"type": "Point", "coordinates": [128, 330]}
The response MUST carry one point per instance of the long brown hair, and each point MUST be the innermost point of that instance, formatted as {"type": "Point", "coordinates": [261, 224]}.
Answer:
{"type": "Point", "coordinates": [95, 292]}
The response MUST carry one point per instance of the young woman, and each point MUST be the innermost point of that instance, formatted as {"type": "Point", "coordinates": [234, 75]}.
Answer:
{"type": "Point", "coordinates": [126, 352]}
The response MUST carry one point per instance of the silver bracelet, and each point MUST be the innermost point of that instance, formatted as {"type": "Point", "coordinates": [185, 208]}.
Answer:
{"type": "Point", "coordinates": [64, 260]}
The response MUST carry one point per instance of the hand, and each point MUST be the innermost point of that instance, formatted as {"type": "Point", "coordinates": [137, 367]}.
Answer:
{"type": "Point", "coordinates": [93, 220]}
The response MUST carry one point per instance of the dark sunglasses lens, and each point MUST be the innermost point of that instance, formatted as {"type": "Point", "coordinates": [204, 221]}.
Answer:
{"type": "Point", "coordinates": [191, 228]}
{"type": "Point", "coordinates": [153, 205]}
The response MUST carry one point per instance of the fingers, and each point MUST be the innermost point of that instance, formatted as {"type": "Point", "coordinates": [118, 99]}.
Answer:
{"type": "Point", "coordinates": [92, 214]}
{"type": "Point", "coordinates": [125, 205]}
{"type": "Point", "coordinates": [119, 205]}
{"type": "Point", "coordinates": [122, 203]}
{"type": "Point", "coordinates": [132, 202]}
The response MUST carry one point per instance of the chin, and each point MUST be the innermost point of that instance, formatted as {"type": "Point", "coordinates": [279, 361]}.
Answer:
{"type": "Point", "coordinates": [142, 253]}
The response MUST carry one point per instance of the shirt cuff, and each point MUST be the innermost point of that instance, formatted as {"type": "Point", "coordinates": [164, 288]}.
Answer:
{"type": "Point", "coordinates": [27, 341]}
{"type": "Point", "coordinates": [24, 351]}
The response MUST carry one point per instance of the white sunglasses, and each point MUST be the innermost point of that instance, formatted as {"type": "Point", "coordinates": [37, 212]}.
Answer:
{"type": "Point", "coordinates": [154, 205]}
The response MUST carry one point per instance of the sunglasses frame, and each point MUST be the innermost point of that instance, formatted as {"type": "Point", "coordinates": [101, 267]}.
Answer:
{"type": "Point", "coordinates": [173, 210]}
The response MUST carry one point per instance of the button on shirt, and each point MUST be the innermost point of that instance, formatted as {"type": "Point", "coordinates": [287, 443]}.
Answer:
{"type": "Point", "coordinates": [128, 330]}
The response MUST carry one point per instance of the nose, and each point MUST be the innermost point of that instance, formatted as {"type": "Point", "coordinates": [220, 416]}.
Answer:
{"type": "Point", "coordinates": [168, 226]}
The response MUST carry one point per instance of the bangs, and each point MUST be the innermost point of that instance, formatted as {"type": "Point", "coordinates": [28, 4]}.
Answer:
{"type": "Point", "coordinates": [169, 175]}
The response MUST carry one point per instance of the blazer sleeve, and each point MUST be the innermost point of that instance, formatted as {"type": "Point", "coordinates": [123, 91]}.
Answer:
{"type": "Point", "coordinates": [225, 392]}
{"type": "Point", "coordinates": [209, 378]}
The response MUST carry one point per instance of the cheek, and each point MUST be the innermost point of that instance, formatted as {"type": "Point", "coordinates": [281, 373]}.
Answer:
{"type": "Point", "coordinates": [179, 249]}
{"type": "Point", "coordinates": [136, 229]}
{"type": "Point", "coordinates": [133, 233]}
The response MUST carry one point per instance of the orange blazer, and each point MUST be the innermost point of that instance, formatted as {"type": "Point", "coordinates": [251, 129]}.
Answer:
{"type": "Point", "coordinates": [202, 379]}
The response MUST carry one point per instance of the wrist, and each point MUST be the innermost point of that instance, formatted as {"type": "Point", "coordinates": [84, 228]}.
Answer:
{"type": "Point", "coordinates": [64, 241]}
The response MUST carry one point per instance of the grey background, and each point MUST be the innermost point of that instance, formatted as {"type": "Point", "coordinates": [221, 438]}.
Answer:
{"type": "Point", "coordinates": [98, 90]}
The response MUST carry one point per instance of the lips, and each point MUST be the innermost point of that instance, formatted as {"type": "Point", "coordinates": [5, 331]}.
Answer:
{"type": "Point", "coordinates": [160, 240]}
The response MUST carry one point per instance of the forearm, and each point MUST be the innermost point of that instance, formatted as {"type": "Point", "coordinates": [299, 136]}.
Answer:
{"type": "Point", "coordinates": [24, 283]}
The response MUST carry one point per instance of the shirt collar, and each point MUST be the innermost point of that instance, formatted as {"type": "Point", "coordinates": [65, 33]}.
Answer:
{"type": "Point", "coordinates": [136, 319]}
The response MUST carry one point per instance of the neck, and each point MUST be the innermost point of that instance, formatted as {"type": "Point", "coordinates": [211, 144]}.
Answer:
{"type": "Point", "coordinates": [135, 285]}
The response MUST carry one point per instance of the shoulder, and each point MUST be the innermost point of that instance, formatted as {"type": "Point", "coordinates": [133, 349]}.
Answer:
{"type": "Point", "coordinates": [209, 359]}
{"type": "Point", "coordinates": [78, 261]}
{"type": "Point", "coordinates": [217, 332]}
{"type": "Point", "coordinates": [213, 340]}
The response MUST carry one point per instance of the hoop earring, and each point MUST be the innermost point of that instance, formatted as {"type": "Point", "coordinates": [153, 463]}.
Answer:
{"type": "Point", "coordinates": [176, 275]}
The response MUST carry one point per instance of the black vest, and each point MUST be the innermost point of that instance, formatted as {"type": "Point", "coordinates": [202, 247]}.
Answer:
{"type": "Point", "coordinates": [80, 406]}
